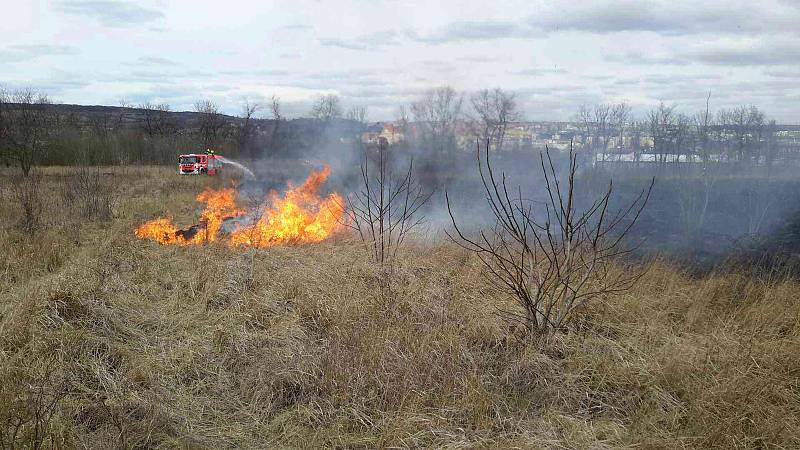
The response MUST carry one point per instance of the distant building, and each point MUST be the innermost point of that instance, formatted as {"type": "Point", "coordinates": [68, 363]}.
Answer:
{"type": "Point", "coordinates": [392, 133]}
{"type": "Point", "coordinates": [387, 133]}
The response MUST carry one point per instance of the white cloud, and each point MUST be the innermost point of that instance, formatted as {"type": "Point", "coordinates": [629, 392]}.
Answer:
{"type": "Point", "coordinates": [555, 54]}
{"type": "Point", "coordinates": [111, 13]}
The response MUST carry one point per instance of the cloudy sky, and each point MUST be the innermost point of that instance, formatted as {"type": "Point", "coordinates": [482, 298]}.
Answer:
{"type": "Point", "coordinates": [555, 55]}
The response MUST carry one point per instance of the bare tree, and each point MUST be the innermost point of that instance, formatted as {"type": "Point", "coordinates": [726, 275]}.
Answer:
{"type": "Point", "coordinates": [211, 123]}
{"type": "Point", "coordinates": [619, 121]}
{"type": "Point", "coordinates": [748, 126]}
{"type": "Point", "coordinates": [122, 113]}
{"type": "Point", "coordinates": [586, 125]}
{"type": "Point", "coordinates": [661, 121]}
{"type": "Point", "coordinates": [155, 120]}
{"type": "Point", "coordinates": [602, 119]}
{"type": "Point", "coordinates": [694, 190]}
{"type": "Point", "coordinates": [101, 123]}
{"type": "Point", "coordinates": [26, 120]}
{"type": "Point", "coordinates": [401, 118]}
{"type": "Point", "coordinates": [3, 124]}
{"type": "Point", "coordinates": [757, 123]}
{"type": "Point", "coordinates": [680, 138]}
{"type": "Point", "coordinates": [771, 150]}
{"type": "Point", "coordinates": [327, 108]}
{"type": "Point", "coordinates": [357, 114]}
{"type": "Point", "coordinates": [596, 128]}
{"type": "Point", "coordinates": [149, 123]}
{"type": "Point", "coordinates": [495, 109]}
{"type": "Point", "coordinates": [277, 119]}
{"type": "Point", "coordinates": [246, 130]}
{"type": "Point", "coordinates": [275, 107]}
{"type": "Point", "coordinates": [703, 124]}
{"type": "Point", "coordinates": [386, 207]}
{"type": "Point", "coordinates": [557, 259]}
{"type": "Point", "coordinates": [637, 130]}
{"type": "Point", "coordinates": [744, 126]}
{"type": "Point", "coordinates": [436, 113]}
{"type": "Point", "coordinates": [401, 125]}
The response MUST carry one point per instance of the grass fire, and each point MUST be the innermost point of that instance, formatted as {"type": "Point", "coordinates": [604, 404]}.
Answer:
{"type": "Point", "coordinates": [299, 215]}
{"type": "Point", "coordinates": [400, 225]}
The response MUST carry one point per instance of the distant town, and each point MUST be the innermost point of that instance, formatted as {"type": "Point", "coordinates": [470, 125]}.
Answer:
{"type": "Point", "coordinates": [632, 143]}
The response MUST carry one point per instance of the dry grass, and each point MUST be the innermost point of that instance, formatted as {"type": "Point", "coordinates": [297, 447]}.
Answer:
{"type": "Point", "coordinates": [305, 347]}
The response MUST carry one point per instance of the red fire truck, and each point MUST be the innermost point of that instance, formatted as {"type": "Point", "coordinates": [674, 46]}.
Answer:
{"type": "Point", "coordinates": [199, 163]}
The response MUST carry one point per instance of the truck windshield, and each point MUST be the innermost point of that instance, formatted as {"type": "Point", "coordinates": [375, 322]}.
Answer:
{"type": "Point", "coordinates": [188, 159]}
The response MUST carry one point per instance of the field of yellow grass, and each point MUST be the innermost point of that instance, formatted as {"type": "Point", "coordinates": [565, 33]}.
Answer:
{"type": "Point", "coordinates": [107, 341]}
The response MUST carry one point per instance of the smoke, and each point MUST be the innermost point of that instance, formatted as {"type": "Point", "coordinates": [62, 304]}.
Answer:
{"type": "Point", "coordinates": [245, 221]}
{"type": "Point", "coordinates": [240, 166]}
{"type": "Point", "coordinates": [705, 213]}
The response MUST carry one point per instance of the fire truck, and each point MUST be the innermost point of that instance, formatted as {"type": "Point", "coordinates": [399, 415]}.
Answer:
{"type": "Point", "coordinates": [199, 163]}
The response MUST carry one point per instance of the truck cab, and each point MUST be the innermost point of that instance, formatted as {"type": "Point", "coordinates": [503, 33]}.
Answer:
{"type": "Point", "coordinates": [199, 164]}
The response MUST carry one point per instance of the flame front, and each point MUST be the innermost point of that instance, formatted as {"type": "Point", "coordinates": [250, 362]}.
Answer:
{"type": "Point", "coordinates": [300, 215]}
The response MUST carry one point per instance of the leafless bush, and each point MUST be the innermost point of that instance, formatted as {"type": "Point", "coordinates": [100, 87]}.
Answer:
{"type": "Point", "coordinates": [27, 193]}
{"type": "Point", "coordinates": [29, 399]}
{"type": "Point", "coordinates": [387, 206]}
{"type": "Point", "coordinates": [87, 190]}
{"type": "Point", "coordinates": [558, 259]}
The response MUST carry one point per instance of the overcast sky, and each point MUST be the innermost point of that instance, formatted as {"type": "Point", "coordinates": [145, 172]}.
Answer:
{"type": "Point", "coordinates": [555, 55]}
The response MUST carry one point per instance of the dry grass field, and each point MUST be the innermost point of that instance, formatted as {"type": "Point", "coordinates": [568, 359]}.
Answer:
{"type": "Point", "coordinates": [107, 341]}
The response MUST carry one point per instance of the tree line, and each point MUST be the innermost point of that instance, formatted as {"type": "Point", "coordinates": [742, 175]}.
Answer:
{"type": "Point", "coordinates": [438, 124]}
{"type": "Point", "coordinates": [34, 130]}
{"type": "Point", "coordinates": [742, 135]}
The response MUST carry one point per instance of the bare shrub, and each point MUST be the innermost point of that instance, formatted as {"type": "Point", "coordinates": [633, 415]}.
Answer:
{"type": "Point", "coordinates": [557, 260]}
{"type": "Point", "coordinates": [27, 193]}
{"type": "Point", "coordinates": [29, 398]}
{"type": "Point", "coordinates": [387, 206]}
{"type": "Point", "coordinates": [87, 190]}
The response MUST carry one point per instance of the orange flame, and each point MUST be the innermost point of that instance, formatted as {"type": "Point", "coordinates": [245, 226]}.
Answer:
{"type": "Point", "coordinates": [300, 215]}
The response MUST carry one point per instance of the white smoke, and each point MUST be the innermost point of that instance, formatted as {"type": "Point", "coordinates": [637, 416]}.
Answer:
{"type": "Point", "coordinates": [241, 167]}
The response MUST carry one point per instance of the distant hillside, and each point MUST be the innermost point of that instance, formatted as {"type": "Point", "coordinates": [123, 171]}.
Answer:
{"type": "Point", "coordinates": [128, 116]}
{"type": "Point", "coordinates": [186, 118]}
{"type": "Point", "coordinates": [131, 115]}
